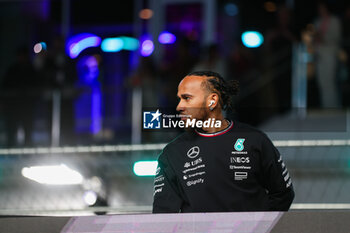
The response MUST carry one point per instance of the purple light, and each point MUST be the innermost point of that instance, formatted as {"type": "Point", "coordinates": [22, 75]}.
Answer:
{"type": "Point", "coordinates": [88, 70]}
{"type": "Point", "coordinates": [96, 114]}
{"type": "Point", "coordinates": [166, 38]}
{"type": "Point", "coordinates": [147, 48]}
{"type": "Point", "coordinates": [89, 104]}
{"type": "Point", "coordinates": [78, 43]}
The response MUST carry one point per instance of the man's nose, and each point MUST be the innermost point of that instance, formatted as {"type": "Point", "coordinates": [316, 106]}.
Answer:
{"type": "Point", "coordinates": [180, 107]}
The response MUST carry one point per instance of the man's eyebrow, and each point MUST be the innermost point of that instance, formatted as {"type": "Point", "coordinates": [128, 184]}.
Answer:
{"type": "Point", "coordinates": [186, 95]}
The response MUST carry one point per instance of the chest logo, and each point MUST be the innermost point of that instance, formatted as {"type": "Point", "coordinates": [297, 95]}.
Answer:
{"type": "Point", "coordinates": [193, 152]}
{"type": "Point", "coordinates": [239, 144]}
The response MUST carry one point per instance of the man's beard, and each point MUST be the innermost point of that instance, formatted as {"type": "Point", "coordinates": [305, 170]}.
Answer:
{"type": "Point", "coordinates": [202, 114]}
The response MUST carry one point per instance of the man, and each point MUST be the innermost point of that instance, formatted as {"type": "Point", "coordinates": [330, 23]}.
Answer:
{"type": "Point", "coordinates": [232, 167]}
{"type": "Point", "coordinates": [327, 46]}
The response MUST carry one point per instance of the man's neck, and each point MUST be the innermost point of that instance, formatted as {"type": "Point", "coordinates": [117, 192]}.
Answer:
{"type": "Point", "coordinates": [224, 125]}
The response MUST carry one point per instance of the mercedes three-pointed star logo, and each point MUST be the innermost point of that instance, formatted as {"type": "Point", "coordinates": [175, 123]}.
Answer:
{"type": "Point", "coordinates": [193, 152]}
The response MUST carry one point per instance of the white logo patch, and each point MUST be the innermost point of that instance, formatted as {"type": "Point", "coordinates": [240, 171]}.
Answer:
{"type": "Point", "coordinates": [194, 182]}
{"type": "Point", "coordinates": [157, 171]}
{"type": "Point", "coordinates": [193, 152]}
{"type": "Point", "coordinates": [241, 175]}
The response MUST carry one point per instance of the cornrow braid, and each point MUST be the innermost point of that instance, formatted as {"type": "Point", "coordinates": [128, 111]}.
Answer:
{"type": "Point", "coordinates": [217, 84]}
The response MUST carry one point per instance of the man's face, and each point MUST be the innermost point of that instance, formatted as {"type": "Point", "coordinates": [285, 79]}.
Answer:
{"type": "Point", "coordinates": [192, 98]}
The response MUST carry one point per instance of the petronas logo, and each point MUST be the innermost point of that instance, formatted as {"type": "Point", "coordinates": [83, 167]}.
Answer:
{"type": "Point", "coordinates": [239, 144]}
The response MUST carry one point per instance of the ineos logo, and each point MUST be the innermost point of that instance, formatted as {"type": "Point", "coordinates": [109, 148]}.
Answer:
{"type": "Point", "coordinates": [240, 160]}
{"type": "Point", "coordinates": [193, 152]}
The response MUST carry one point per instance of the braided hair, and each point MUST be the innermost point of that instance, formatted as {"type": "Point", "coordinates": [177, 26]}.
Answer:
{"type": "Point", "coordinates": [215, 83]}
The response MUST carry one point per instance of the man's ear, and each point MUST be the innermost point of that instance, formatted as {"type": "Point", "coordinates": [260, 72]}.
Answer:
{"type": "Point", "coordinates": [212, 100]}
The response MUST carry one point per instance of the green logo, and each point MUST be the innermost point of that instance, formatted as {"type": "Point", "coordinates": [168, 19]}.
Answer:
{"type": "Point", "coordinates": [239, 144]}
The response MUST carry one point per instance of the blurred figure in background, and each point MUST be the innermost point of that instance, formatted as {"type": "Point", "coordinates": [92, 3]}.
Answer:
{"type": "Point", "coordinates": [146, 77]}
{"type": "Point", "coordinates": [327, 42]}
{"type": "Point", "coordinates": [313, 97]}
{"type": "Point", "coordinates": [242, 65]}
{"type": "Point", "coordinates": [59, 68]}
{"type": "Point", "coordinates": [345, 76]}
{"type": "Point", "coordinates": [279, 44]}
{"type": "Point", "coordinates": [61, 75]}
{"type": "Point", "coordinates": [57, 73]}
{"type": "Point", "coordinates": [18, 86]}
{"type": "Point", "coordinates": [212, 60]}
{"type": "Point", "coordinates": [176, 62]}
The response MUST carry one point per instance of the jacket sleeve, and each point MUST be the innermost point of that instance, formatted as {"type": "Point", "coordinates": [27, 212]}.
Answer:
{"type": "Point", "coordinates": [166, 197]}
{"type": "Point", "coordinates": [276, 178]}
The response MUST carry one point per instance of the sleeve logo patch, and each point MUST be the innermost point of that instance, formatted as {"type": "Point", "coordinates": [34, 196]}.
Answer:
{"type": "Point", "coordinates": [239, 144]}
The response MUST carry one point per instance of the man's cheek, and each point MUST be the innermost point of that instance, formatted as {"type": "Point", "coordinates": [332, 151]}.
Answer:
{"type": "Point", "coordinates": [195, 114]}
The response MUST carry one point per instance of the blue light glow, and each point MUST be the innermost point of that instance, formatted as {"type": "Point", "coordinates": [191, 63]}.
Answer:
{"type": "Point", "coordinates": [78, 43]}
{"type": "Point", "coordinates": [166, 38]}
{"type": "Point", "coordinates": [147, 48]}
{"type": "Point", "coordinates": [231, 9]}
{"type": "Point", "coordinates": [112, 45]}
{"type": "Point", "coordinates": [252, 39]}
{"type": "Point", "coordinates": [120, 43]}
{"type": "Point", "coordinates": [43, 45]}
{"type": "Point", "coordinates": [130, 43]}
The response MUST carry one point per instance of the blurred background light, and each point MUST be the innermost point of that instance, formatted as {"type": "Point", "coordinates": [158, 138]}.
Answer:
{"type": "Point", "coordinates": [166, 38]}
{"type": "Point", "coordinates": [147, 48]}
{"type": "Point", "coordinates": [88, 70]}
{"type": "Point", "coordinates": [78, 43]}
{"type": "Point", "coordinates": [43, 45]}
{"type": "Point", "coordinates": [252, 39]}
{"type": "Point", "coordinates": [89, 105]}
{"type": "Point", "coordinates": [130, 43]}
{"type": "Point", "coordinates": [94, 184]}
{"type": "Point", "coordinates": [38, 47]}
{"type": "Point", "coordinates": [270, 6]}
{"type": "Point", "coordinates": [112, 45]}
{"type": "Point", "coordinates": [90, 197]}
{"type": "Point", "coordinates": [119, 43]}
{"type": "Point", "coordinates": [231, 9]}
{"type": "Point", "coordinates": [145, 168]}
{"type": "Point", "coordinates": [53, 175]}
{"type": "Point", "coordinates": [146, 14]}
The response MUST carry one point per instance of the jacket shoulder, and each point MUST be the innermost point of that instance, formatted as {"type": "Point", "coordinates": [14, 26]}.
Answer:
{"type": "Point", "coordinates": [174, 144]}
{"type": "Point", "coordinates": [243, 127]}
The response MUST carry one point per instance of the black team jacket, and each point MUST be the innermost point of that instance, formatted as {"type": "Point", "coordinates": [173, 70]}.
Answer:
{"type": "Point", "coordinates": [236, 169]}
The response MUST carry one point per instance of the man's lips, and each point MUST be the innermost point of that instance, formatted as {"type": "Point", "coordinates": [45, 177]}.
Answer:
{"type": "Point", "coordinates": [183, 116]}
